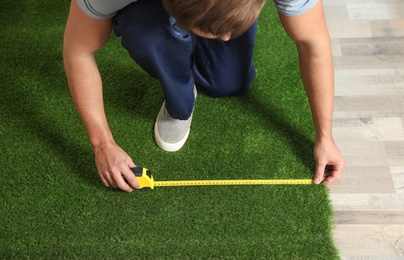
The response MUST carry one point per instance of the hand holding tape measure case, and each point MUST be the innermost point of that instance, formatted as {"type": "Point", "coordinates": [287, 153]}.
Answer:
{"type": "Point", "coordinates": [144, 177]}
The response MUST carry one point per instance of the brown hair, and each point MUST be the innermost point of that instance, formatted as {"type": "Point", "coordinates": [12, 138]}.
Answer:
{"type": "Point", "coordinates": [217, 17]}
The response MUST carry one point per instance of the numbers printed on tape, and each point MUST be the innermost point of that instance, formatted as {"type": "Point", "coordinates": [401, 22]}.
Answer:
{"type": "Point", "coordinates": [230, 182]}
{"type": "Point", "coordinates": [146, 180]}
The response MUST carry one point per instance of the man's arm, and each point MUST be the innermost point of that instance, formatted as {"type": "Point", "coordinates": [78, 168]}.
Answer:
{"type": "Point", "coordinates": [310, 33]}
{"type": "Point", "coordinates": [83, 37]}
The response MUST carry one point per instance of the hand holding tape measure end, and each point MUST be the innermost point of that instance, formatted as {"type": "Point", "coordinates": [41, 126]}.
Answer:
{"type": "Point", "coordinates": [144, 177]}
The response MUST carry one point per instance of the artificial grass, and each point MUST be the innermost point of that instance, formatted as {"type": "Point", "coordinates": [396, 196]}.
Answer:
{"type": "Point", "coordinates": [54, 205]}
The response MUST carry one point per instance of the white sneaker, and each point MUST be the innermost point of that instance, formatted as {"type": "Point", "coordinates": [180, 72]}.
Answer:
{"type": "Point", "coordinates": [171, 134]}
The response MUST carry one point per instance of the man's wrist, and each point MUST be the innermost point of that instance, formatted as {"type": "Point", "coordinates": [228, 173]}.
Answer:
{"type": "Point", "coordinates": [98, 142]}
{"type": "Point", "coordinates": [323, 136]}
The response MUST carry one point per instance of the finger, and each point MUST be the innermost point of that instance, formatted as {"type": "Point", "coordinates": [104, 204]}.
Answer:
{"type": "Point", "coordinates": [106, 183]}
{"type": "Point", "coordinates": [319, 174]}
{"type": "Point", "coordinates": [334, 176]}
{"type": "Point", "coordinates": [131, 178]}
{"type": "Point", "coordinates": [330, 179]}
{"type": "Point", "coordinates": [108, 177]}
{"type": "Point", "coordinates": [120, 182]}
{"type": "Point", "coordinates": [131, 164]}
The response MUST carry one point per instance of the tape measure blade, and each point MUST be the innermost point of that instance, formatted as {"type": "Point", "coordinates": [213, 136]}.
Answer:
{"type": "Point", "coordinates": [232, 182]}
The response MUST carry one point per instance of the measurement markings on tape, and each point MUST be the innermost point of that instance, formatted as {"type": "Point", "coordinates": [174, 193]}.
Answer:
{"type": "Point", "coordinates": [146, 180]}
{"type": "Point", "coordinates": [231, 182]}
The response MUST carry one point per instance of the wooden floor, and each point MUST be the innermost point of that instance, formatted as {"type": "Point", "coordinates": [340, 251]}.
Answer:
{"type": "Point", "coordinates": [368, 49]}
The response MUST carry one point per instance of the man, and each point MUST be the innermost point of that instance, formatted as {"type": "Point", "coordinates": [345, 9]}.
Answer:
{"type": "Point", "coordinates": [187, 44]}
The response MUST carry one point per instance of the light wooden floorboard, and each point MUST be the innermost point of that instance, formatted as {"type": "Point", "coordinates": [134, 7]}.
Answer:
{"type": "Point", "coordinates": [375, 82]}
{"type": "Point", "coordinates": [369, 217]}
{"type": "Point", "coordinates": [368, 48]}
{"type": "Point", "coordinates": [377, 240]}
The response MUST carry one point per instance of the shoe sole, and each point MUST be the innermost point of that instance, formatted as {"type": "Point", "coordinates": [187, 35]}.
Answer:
{"type": "Point", "coordinates": [168, 147]}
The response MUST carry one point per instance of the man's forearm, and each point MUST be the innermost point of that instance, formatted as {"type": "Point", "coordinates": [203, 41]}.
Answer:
{"type": "Point", "coordinates": [83, 37]}
{"type": "Point", "coordinates": [86, 90]}
{"type": "Point", "coordinates": [309, 32]}
{"type": "Point", "coordinates": [317, 73]}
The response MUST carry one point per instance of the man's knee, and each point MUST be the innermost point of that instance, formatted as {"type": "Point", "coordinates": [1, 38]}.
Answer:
{"type": "Point", "coordinates": [235, 85]}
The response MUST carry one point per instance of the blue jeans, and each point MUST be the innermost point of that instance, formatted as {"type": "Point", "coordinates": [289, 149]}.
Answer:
{"type": "Point", "coordinates": [179, 59]}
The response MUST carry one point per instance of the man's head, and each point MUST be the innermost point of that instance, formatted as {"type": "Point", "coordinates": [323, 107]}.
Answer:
{"type": "Point", "coordinates": [222, 19]}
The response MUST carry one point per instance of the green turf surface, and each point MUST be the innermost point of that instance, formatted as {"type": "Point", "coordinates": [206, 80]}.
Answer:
{"type": "Point", "coordinates": [53, 204]}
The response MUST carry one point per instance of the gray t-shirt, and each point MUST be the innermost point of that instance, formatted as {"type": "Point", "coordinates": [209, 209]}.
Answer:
{"type": "Point", "coordinates": [102, 9]}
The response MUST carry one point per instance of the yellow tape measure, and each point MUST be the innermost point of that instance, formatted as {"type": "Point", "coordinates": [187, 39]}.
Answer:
{"type": "Point", "coordinates": [146, 180]}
